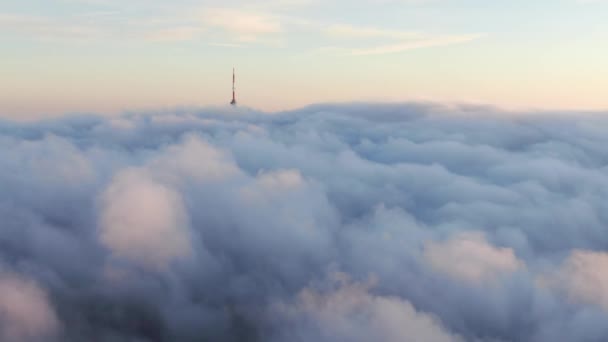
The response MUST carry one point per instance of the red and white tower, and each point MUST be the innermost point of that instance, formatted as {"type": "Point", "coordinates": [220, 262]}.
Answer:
{"type": "Point", "coordinates": [233, 102]}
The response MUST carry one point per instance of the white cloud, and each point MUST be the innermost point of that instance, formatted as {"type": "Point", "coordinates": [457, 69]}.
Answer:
{"type": "Point", "coordinates": [281, 180]}
{"type": "Point", "coordinates": [349, 31]}
{"type": "Point", "coordinates": [416, 44]}
{"type": "Point", "coordinates": [274, 201]}
{"type": "Point", "coordinates": [244, 25]}
{"type": "Point", "coordinates": [194, 159]}
{"type": "Point", "coordinates": [25, 312]}
{"type": "Point", "coordinates": [401, 40]}
{"type": "Point", "coordinates": [226, 45]}
{"type": "Point", "coordinates": [144, 221]}
{"type": "Point", "coordinates": [469, 257]}
{"type": "Point", "coordinates": [47, 27]}
{"type": "Point", "coordinates": [268, 22]}
{"type": "Point", "coordinates": [176, 33]}
{"type": "Point", "coordinates": [351, 313]}
{"type": "Point", "coordinates": [583, 277]}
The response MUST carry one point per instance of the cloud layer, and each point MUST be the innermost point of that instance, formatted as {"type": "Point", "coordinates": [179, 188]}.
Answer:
{"type": "Point", "coordinates": [358, 222]}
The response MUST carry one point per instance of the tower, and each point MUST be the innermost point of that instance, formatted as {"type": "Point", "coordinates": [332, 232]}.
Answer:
{"type": "Point", "coordinates": [233, 102]}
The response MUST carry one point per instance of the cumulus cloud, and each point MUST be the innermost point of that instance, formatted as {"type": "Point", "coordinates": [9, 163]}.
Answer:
{"type": "Point", "coordinates": [582, 276]}
{"type": "Point", "coordinates": [144, 221]}
{"type": "Point", "coordinates": [25, 313]}
{"type": "Point", "coordinates": [350, 312]}
{"type": "Point", "coordinates": [469, 257]}
{"type": "Point", "coordinates": [230, 225]}
{"type": "Point", "coordinates": [193, 160]}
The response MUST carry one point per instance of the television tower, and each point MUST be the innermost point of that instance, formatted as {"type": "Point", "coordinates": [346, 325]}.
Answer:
{"type": "Point", "coordinates": [233, 102]}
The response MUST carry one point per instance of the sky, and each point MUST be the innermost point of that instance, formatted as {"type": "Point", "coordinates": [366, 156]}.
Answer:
{"type": "Point", "coordinates": [110, 56]}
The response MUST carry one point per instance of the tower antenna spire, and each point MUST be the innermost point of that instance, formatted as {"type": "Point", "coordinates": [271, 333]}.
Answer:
{"type": "Point", "coordinates": [233, 102]}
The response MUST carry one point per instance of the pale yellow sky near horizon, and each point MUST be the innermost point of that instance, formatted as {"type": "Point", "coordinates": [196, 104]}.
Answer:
{"type": "Point", "coordinates": [103, 57]}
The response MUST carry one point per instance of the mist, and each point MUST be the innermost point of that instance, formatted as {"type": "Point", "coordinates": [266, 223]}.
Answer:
{"type": "Point", "coordinates": [345, 222]}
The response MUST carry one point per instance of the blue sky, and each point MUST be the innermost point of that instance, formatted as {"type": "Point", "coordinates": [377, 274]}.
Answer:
{"type": "Point", "coordinates": [110, 55]}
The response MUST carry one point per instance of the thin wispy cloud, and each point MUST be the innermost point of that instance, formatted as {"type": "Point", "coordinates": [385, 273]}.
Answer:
{"type": "Point", "coordinates": [227, 45]}
{"type": "Point", "coordinates": [417, 44]}
{"type": "Point", "coordinates": [398, 41]}
{"type": "Point", "coordinates": [183, 33]}
{"type": "Point", "coordinates": [354, 32]}
{"type": "Point", "coordinates": [46, 27]}
{"type": "Point", "coordinates": [241, 24]}
{"type": "Point", "coordinates": [96, 25]}
{"type": "Point", "coordinates": [275, 23]}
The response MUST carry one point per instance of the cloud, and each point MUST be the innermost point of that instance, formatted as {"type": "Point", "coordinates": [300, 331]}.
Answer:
{"type": "Point", "coordinates": [469, 257]}
{"type": "Point", "coordinates": [229, 224]}
{"type": "Point", "coordinates": [25, 313]}
{"type": "Point", "coordinates": [243, 24]}
{"type": "Point", "coordinates": [176, 34]}
{"type": "Point", "coordinates": [144, 221]}
{"type": "Point", "coordinates": [582, 277]}
{"type": "Point", "coordinates": [350, 312]}
{"type": "Point", "coordinates": [99, 25]}
{"type": "Point", "coordinates": [270, 23]}
{"type": "Point", "coordinates": [47, 27]}
{"type": "Point", "coordinates": [417, 44]}
{"type": "Point", "coordinates": [398, 41]}
{"type": "Point", "coordinates": [194, 159]}
{"type": "Point", "coordinates": [349, 31]}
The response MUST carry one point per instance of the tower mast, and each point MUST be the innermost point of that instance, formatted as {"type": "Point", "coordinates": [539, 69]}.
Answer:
{"type": "Point", "coordinates": [233, 102]}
